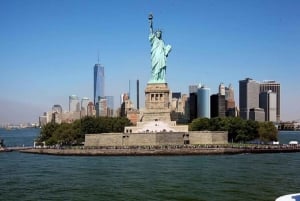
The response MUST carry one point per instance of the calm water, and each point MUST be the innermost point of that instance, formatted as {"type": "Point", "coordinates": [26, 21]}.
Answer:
{"type": "Point", "coordinates": [229, 177]}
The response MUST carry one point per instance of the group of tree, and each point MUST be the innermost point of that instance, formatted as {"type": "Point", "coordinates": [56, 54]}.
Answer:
{"type": "Point", "coordinates": [73, 133]}
{"type": "Point", "coordinates": [239, 130]}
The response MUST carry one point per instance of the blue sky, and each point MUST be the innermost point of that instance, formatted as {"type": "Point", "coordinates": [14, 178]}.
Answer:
{"type": "Point", "coordinates": [48, 48]}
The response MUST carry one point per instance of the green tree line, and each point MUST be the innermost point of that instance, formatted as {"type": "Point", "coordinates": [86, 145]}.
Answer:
{"type": "Point", "coordinates": [73, 133]}
{"type": "Point", "coordinates": [239, 130]}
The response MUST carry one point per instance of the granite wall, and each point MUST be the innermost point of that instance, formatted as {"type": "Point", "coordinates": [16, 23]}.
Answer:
{"type": "Point", "coordinates": [208, 137]}
{"type": "Point", "coordinates": [140, 139]}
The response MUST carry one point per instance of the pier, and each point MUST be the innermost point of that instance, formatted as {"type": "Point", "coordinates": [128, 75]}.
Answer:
{"type": "Point", "coordinates": [18, 148]}
{"type": "Point", "coordinates": [163, 150]}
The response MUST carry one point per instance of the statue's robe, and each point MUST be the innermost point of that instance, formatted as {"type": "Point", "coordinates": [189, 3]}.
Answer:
{"type": "Point", "coordinates": [159, 53]}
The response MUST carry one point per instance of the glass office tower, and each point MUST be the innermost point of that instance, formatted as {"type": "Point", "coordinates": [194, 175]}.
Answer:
{"type": "Point", "coordinates": [110, 106]}
{"type": "Point", "coordinates": [98, 82]}
{"type": "Point", "coordinates": [203, 102]}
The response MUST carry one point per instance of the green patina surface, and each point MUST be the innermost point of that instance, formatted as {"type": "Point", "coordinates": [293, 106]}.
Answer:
{"type": "Point", "coordinates": [159, 54]}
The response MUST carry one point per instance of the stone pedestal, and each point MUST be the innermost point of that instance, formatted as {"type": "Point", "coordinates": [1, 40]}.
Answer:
{"type": "Point", "coordinates": [156, 117]}
{"type": "Point", "coordinates": [157, 106]}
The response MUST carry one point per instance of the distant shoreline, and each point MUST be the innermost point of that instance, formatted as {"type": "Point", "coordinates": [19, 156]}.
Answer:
{"type": "Point", "coordinates": [163, 150]}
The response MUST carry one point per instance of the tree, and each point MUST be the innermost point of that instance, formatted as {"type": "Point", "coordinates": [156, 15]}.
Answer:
{"type": "Point", "coordinates": [252, 130]}
{"type": "Point", "coordinates": [47, 131]}
{"type": "Point", "coordinates": [267, 132]}
{"type": "Point", "coordinates": [200, 124]}
{"type": "Point", "coordinates": [239, 130]}
{"type": "Point", "coordinates": [78, 134]}
{"type": "Point", "coordinates": [120, 123]}
{"type": "Point", "coordinates": [63, 135]}
{"type": "Point", "coordinates": [218, 124]}
{"type": "Point", "coordinates": [74, 133]}
{"type": "Point", "coordinates": [88, 125]}
{"type": "Point", "coordinates": [236, 129]}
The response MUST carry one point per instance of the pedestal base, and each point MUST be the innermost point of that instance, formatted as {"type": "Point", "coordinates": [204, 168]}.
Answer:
{"type": "Point", "coordinates": [157, 106]}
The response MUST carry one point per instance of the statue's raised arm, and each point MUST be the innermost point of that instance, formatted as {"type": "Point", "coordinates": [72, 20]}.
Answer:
{"type": "Point", "coordinates": [159, 54]}
{"type": "Point", "coordinates": [151, 23]}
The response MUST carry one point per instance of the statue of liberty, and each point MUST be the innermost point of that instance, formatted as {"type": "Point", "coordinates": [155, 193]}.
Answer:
{"type": "Point", "coordinates": [159, 54]}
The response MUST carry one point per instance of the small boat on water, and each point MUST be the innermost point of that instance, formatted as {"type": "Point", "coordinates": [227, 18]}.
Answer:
{"type": "Point", "coordinates": [2, 147]}
{"type": "Point", "coordinates": [290, 197]}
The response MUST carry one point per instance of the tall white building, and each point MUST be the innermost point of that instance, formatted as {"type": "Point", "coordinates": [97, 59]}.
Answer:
{"type": "Point", "coordinates": [267, 85]}
{"type": "Point", "coordinates": [222, 89]}
{"type": "Point", "coordinates": [84, 104]}
{"type": "Point", "coordinates": [268, 101]}
{"type": "Point", "coordinates": [74, 103]}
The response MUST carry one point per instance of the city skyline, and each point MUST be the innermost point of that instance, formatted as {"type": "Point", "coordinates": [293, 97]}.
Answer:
{"type": "Point", "coordinates": [48, 49]}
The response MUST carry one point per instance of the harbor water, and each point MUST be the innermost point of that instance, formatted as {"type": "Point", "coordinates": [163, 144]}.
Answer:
{"type": "Point", "coordinates": [218, 177]}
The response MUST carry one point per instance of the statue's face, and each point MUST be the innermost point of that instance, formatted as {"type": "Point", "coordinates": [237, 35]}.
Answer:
{"type": "Point", "coordinates": [158, 34]}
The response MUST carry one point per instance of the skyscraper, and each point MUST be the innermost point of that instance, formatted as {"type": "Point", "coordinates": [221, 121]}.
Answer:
{"type": "Point", "coordinates": [267, 101]}
{"type": "Point", "coordinates": [193, 102]}
{"type": "Point", "coordinates": [257, 114]}
{"type": "Point", "coordinates": [110, 106]}
{"type": "Point", "coordinates": [222, 89]}
{"type": "Point", "coordinates": [275, 87]}
{"type": "Point", "coordinates": [193, 89]}
{"type": "Point", "coordinates": [98, 82]}
{"type": "Point", "coordinates": [217, 105]}
{"type": "Point", "coordinates": [57, 113]}
{"type": "Point", "coordinates": [229, 97]}
{"type": "Point", "coordinates": [176, 95]}
{"type": "Point", "coordinates": [138, 94]}
{"type": "Point", "coordinates": [91, 109]}
{"type": "Point", "coordinates": [84, 104]}
{"type": "Point", "coordinates": [101, 107]}
{"type": "Point", "coordinates": [248, 96]}
{"type": "Point", "coordinates": [57, 108]}
{"type": "Point", "coordinates": [74, 104]}
{"type": "Point", "coordinates": [203, 102]}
